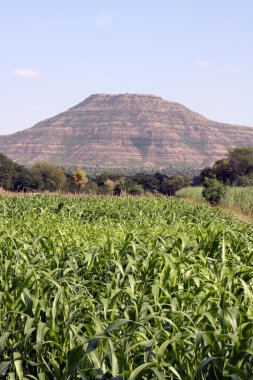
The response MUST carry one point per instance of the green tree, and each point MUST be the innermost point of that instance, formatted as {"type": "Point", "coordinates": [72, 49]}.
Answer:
{"type": "Point", "coordinates": [136, 190]}
{"type": "Point", "coordinates": [237, 168]}
{"type": "Point", "coordinates": [15, 177]}
{"type": "Point", "coordinates": [49, 177]}
{"type": "Point", "coordinates": [240, 161]}
{"type": "Point", "coordinates": [24, 180]}
{"type": "Point", "coordinates": [149, 182]}
{"type": "Point", "coordinates": [91, 188]}
{"type": "Point", "coordinates": [213, 190]}
{"type": "Point", "coordinates": [222, 170]}
{"type": "Point", "coordinates": [170, 185]}
{"type": "Point", "coordinates": [120, 187]}
{"type": "Point", "coordinates": [7, 171]}
{"type": "Point", "coordinates": [207, 173]}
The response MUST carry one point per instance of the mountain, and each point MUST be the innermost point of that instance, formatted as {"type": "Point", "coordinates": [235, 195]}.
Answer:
{"type": "Point", "coordinates": [126, 131]}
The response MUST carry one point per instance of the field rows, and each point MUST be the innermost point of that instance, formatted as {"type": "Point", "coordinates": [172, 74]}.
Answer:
{"type": "Point", "coordinates": [111, 288]}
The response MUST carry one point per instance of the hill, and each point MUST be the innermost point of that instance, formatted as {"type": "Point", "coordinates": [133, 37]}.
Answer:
{"type": "Point", "coordinates": [126, 131]}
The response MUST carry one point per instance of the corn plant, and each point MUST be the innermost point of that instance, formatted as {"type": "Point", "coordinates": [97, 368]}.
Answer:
{"type": "Point", "coordinates": [111, 288]}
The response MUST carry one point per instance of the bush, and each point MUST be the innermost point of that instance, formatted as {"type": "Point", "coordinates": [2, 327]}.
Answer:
{"type": "Point", "coordinates": [136, 190]}
{"type": "Point", "coordinates": [213, 191]}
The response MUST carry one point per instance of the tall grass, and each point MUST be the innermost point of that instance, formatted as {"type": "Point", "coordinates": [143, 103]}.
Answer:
{"type": "Point", "coordinates": [238, 199]}
{"type": "Point", "coordinates": [123, 289]}
{"type": "Point", "coordinates": [193, 193]}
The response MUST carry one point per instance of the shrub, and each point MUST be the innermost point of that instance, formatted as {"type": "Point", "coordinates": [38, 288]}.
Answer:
{"type": "Point", "coordinates": [213, 191]}
{"type": "Point", "coordinates": [136, 190]}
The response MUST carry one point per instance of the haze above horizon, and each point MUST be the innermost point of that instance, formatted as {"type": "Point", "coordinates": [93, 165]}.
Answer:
{"type": "Point", "coordinates": [56, 54]}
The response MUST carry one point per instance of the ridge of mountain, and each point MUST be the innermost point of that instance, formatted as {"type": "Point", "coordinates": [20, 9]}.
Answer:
{"type": "Point", "coordinates": [126, 131]}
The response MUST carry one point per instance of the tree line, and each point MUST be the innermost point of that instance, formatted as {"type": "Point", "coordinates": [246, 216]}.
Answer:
{"type": "Point", "coordinates": [234, 170]}
{"type": "Point", "coordinates": [48, 177]}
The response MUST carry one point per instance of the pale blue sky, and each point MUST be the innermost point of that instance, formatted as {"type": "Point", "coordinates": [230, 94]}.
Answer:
{"type": "Point", "coordinates": [55, 53]}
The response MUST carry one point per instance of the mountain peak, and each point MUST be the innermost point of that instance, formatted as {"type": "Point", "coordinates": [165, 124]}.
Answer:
{"type": "Point", "coordinates": [131, 131]}
{"type": "Point", "coordinates": [121, 98]}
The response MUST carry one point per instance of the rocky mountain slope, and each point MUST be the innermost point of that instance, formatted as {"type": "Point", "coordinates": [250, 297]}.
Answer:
{"type": "Point", "coordinates": [126, 131]}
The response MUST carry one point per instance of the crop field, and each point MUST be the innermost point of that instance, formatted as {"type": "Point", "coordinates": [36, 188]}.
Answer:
{"type": "Point", "coordinates": [113, 288]}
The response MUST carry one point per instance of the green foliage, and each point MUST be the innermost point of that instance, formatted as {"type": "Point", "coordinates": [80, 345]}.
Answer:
{"type": "Point", "coordinates": [120, 187]}
{"type": "Point", "coordinates": [117, 190]}
{"type": "Point", "coordinates": [7, 171]}
{"type": "Point", "coordinates": [241, 162]}
{"type": "Point", "coordinates": [136, 190]}
{"type": "Point", "coordinates": [222, 171]}
{"type": "Point", "coordinates": [170, 185]}
{"type": "Point", "coordinates": [15, 177]}
{"type": "Point", "coordinates": [50, 177]}
{"type": "Point", "coordinates": [24, 180]}
{"type": "Point", "coordinates": [245, 180]}
{"type": "Point", "coordinates": [112, 288]}
{"type": "Point", "coordinates": [90, 188]}
{"type": "Point", "coordinates": [236, 169]}
{"type": "Point", "coordinates": [149, 182]}
{"type": "Point", "coordinates": [207, 173]}
{"type": "Point", "coordinates": [161, 183]}
{"type": "Point", "coordinates": [213, 191]}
